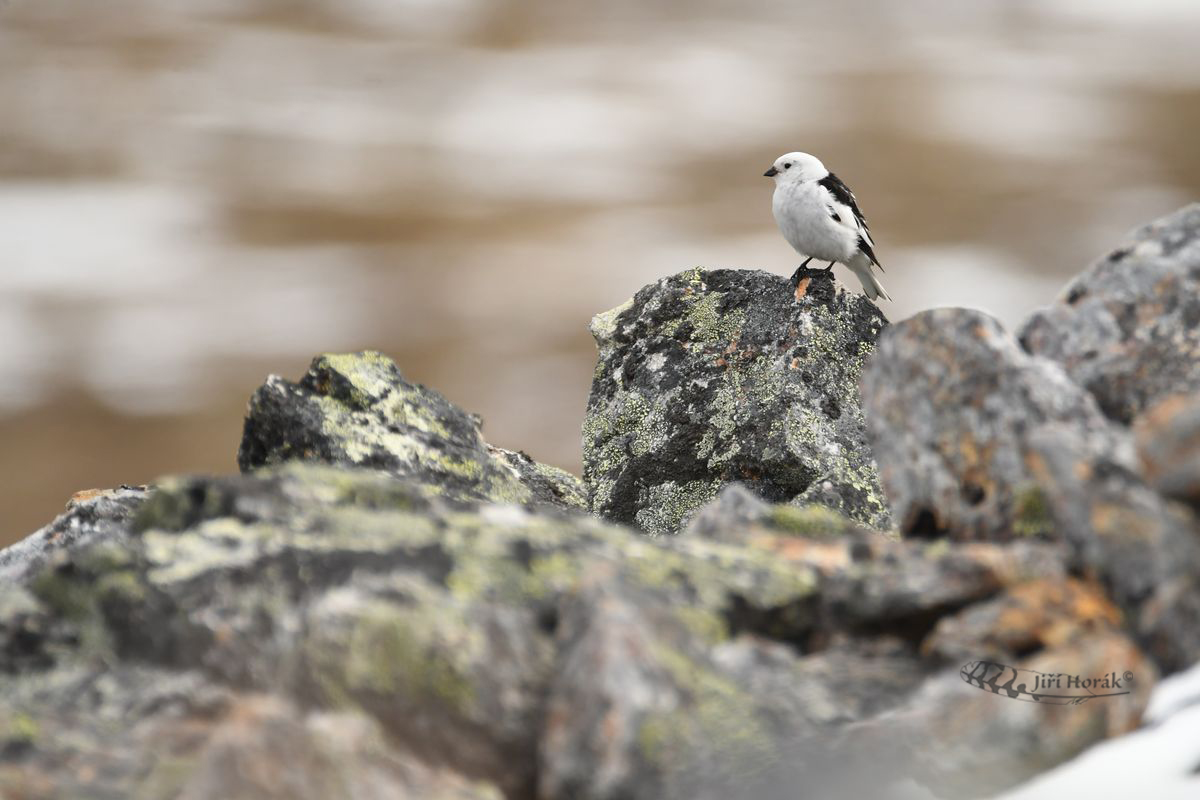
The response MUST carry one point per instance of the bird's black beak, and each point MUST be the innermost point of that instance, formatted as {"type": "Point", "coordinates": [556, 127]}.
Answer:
{"type": "Point", "coordinates": [771, 173]}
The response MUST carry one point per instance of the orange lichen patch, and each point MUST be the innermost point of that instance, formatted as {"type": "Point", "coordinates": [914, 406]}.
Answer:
{"type": "Point", "coordinates": [84, 496]}
{"type": "Point", "coordinates": [1036, 615]}
{"type": "Point", "coordinates": [802, 287]}
{"type": "Point", "coordinates": [825, 556]}
{"type": "Point", "coordinates": [1053, 613]}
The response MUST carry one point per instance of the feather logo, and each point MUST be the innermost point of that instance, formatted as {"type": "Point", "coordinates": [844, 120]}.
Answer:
{"type": "Point", "coordinates": [1047, 688]}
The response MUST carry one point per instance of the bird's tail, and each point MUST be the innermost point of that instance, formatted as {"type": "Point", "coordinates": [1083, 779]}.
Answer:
{"type": "Point", "coordinates": [865, 270]}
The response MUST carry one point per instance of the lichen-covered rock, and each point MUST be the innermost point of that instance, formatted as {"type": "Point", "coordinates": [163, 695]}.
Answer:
{"type": "Point", "coordinates": [304, 616]}
{"type": "Point", "coordinates": [358, 410]}
{"type": "Point", "coordinates": [738, 514]}
{"type": "Point", "coordinates": [955, 410]}
{"type": "Point", "coordinates": [711, 377]}
{"type": "Point", "coordinates": [978, 440]}
{"type": "Point", "coordinates": [111, 733]}
{"type": "Point", "coordinates": [1128, 328]}
{"type": "Point", "coordinates": [91, 516]}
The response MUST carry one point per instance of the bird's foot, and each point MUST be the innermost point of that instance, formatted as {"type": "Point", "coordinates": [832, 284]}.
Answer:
{"type": "Point", "coordinates": [829, 267]}
{"type": "Point", "coordinates": [795, 279]}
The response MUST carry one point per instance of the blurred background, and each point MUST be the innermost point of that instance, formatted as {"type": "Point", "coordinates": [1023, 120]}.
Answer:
{"type": "Point", "coordinates": [196, 193]}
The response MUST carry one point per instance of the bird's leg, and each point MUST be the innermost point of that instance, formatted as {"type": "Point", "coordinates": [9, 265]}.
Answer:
{"type": "Point", "coordinates": [829, 267]}
{"type": "Point", "coordinates": [796, 275]}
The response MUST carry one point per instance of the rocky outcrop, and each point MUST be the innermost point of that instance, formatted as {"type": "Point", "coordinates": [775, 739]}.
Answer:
{"type": "Point", "coordinates": [977, 440]}
{"type": "Point", "coordinates": [708, 378]}
{"type": "Point", "coordinates": [313, 616]}
{"type": "Point", "coordinates": [384, 605]}
{"type": "Point", "coordinates": [1128, 328]}
{"type": "Point", "coordinates": [359, 411]}
{"type": "Point", "coordinates": [92, 516]}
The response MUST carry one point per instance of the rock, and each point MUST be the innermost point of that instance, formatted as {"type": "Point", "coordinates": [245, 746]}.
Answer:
{"type": "Point", "coordinates": [384, 605]}
{"type": "Point", "coordinates": [358, 410]}
{"type": "Point", "coordinates": [1128, 328]}
{"type": "Point", "coordinates": [130, 731]}
{"type": "Point", "coordinates": [91, 516]}
{"type": "Point", "coordinates": [977, 440]}
{"type": "Point", "coordinates": [250, 632]}
{"type": "Point", "coordinates": [711, 377]}
{"type": "Point", "coordinates": [955, 412]}
{"type": "Point", "coordinates": [737, 514]}
{"type": "Point", "coordinates": [1168, 439]}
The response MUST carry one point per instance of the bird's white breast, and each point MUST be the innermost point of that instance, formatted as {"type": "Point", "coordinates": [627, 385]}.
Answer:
{"type": "Point", "coordinates": [802, 212]}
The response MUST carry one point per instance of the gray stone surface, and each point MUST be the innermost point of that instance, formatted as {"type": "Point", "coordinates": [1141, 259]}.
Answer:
{"type": "Point", "coordinates": [977, 440]}
{"type": "Point", "coordinates": [710, 377]}
{"type": "Point", "coordinates": [1168, 439]}
{"type": "Point", "coordinates": [91, 516]}
{"type": "Point", "coordinates": [1128, 328]}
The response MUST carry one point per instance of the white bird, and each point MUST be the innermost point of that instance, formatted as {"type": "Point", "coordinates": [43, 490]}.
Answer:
{"type": "Point", "coordinates": [818, 216]}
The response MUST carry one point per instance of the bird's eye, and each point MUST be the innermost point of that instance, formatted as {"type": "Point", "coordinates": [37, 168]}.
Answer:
{"type": "Point", "coordinates": [785, 166]}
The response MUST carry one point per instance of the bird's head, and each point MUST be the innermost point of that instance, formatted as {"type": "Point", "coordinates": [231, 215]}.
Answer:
{"type": "Point", "coordinates": [796, 168]}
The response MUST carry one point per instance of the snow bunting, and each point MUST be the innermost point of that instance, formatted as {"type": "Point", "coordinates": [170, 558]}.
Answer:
{"type": "Point", "coordinates": [818, 216]}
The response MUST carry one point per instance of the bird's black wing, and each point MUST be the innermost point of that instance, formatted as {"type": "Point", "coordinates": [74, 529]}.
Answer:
{"type": "Point", "coordinates": [842, 194]}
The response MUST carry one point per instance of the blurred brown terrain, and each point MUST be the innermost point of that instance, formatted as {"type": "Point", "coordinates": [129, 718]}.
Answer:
{"type": "Point", "coordinates": [194, 195]}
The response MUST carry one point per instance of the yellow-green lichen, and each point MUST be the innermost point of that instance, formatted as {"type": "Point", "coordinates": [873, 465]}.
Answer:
{"type": "Point", "coordinates": [709, 325]}
{"type": "Point", "coordinates": [377, 648]}
{"type": "Point", "coordinates": [123, 585]}
{"type": "Point", "coordinates": [811, 520]}
{"type": "Point", "coordinates": [604, 324]}
{"type": "Point", "coordinates": [371, 374]}
{"type": "Point", "coordinates": [716, 722]}
{"type": "Point", "coordinates": [19, 728]}
{"type": "Point", "coordinates": [226, 543]}
{"type": "Point", "coordinates": [811, 434]}
{"type": "Point", "coordinates": [707, 626]}
{"type": "Point", "coordinates": [1032, 516]}
{"type": "Point", "coordinates": [710, 572]}
{"type": "Point", "coordinates": [669, 504]}
{"type": "Point", "coordinates": [568, 488]}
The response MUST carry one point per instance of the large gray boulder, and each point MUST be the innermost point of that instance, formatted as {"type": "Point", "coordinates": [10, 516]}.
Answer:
{"type": "Point", "coordinates": [1128, 328]}
{"type": "Point", "coordinates": [358, 410]}
{"type": "Point", "coordinates": [978, 440]}
{"type": "Point", "coordinates": [711, 377]}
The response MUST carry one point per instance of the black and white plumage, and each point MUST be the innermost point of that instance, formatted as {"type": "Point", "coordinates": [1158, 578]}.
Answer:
{"type": "Point", "coordinates": [819, 217]}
